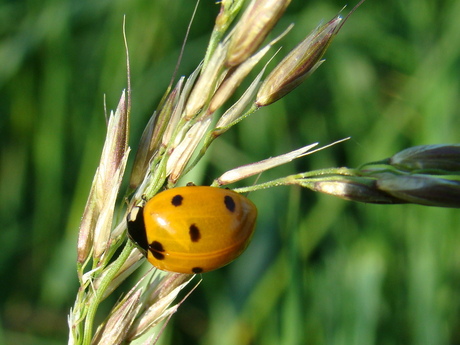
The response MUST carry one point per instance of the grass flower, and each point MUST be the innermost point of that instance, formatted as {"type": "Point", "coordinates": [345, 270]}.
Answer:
{"type": "Point", "coordinates": [183, 126]}
{"type": "Point", "coordinates": [254, 26]}
{"type": "Point", "coordinates": [422, 189]}
{"type": "Point", "coordinates": [441, 158]}
{"type": "Point", "coordinates": [173, 134]}
{"type": "Point", "coordinates": [385, 182]}
{"type": "Point", "coordinates": [300, 63]}
{"type": "Point", "coordinates": [97, 218]}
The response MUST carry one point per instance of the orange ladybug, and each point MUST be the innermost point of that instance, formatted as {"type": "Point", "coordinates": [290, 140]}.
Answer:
{"type": "Point", "coordinates": [193, 229]}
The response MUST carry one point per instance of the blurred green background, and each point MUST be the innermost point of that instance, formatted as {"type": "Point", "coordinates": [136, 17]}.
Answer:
{"type": "Point", "coordinates": [319, 270]}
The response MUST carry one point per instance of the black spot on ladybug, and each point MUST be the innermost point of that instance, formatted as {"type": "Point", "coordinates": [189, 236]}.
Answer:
{"type": "Point", "coordinates": [194, 233]}
{"type": "Point", "coordinates": [157, 250]}
{"type": "Point", "coordinates": [229, 203]}
{"type": "Point", "coordinates": [177, 200]}
{"type": "Point", "coordinates": [197, 270]}
{"type": "Point", "coordinates": [158, 256]}
{"type": "Point", "coordinates": [156, 246]}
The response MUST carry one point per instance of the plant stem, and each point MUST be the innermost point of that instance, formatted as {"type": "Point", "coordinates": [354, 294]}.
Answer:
{"type": "Point", "coordinates": [99, 293]}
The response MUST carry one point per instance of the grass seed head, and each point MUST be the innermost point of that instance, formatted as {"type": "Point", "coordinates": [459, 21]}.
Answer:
{"type": "Point", "coordinates": [354, 189]}
{"type": "Point", "coordinates": [298, 64]}
{"type": "Point", "coordinates": [437, 157]}
{"type": "Point", "coordinates": [257, 21]}
{"type": "Point", "coordinates": [96, 222]}
{"type": "Point", "coordinates": [421, 189]}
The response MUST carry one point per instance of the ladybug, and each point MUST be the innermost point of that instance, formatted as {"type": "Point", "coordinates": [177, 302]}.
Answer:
{"type": "Point", "coordinates": [193, 229]}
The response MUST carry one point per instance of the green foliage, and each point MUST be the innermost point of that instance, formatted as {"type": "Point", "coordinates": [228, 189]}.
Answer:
{"type": "Point", "coordinates": [319, 270]}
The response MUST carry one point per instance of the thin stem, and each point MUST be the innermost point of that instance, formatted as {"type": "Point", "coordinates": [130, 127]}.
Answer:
{"type": "Point", "coordinates": [99, 293]}
{"type": "Point", "coordinates": [319, 175]}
